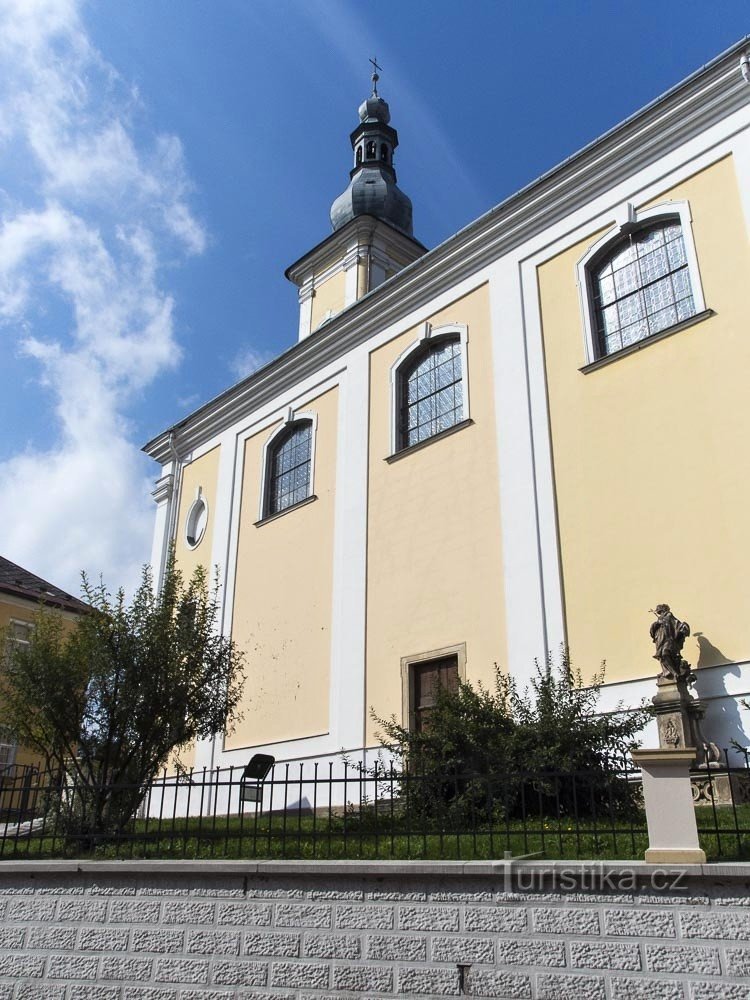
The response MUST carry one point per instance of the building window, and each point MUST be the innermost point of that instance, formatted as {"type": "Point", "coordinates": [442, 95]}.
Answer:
{"type": "Point", "coordinates": [431, 391]}
{"type": "Point", "coordinates": [423, 676]}
{"type": "Point", "coordinates": [20, 632]}
{"type": "Point", "coordinates": [18, 635]}
{"type": "Point", "coordinates": [642, 287]}
{"type": "Point", "coordinates": [7, 750]}
{"type": "Point", "coordinates": [196, 521]}
{"type": "Point", "coordinates": [289, 469]}
{"type": "Point", "coordinates": [640, 280]}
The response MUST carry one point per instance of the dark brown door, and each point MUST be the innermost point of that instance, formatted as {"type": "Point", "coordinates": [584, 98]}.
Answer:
{"type": "Point", "coordinates": [427, 679]}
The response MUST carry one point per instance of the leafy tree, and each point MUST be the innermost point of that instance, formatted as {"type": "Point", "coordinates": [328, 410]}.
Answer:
{"type": "Point", "coordinates": [504, 752]}
{"type": "Point", "coordinates": [108, 701]}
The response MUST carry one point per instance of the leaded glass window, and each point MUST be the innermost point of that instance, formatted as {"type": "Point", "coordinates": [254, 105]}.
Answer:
{"type": "Point", "coordinates": [431, 392]}
{"type": "Point", "coordinates": [7, 749]}
{"type": "Point", "coordinates": [289, 468]}
{"type": "Point", "coordinates": [642, 286]}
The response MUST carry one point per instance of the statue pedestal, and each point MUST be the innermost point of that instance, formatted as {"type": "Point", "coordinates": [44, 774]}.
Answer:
{"type": "Point", "coordinates": [728, 789]}
{"type": "Point", "coordinates": [678, 717]}
{"type": "Point", "coordinates": [670, 814]}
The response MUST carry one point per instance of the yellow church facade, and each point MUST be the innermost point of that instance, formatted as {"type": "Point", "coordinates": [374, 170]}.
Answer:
{"type": "Point", "coordinates": [524, 438]}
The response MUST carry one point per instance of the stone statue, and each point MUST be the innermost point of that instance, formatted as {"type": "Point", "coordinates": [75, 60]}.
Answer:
{"type": "Point", "coordinates": [679, 714]}
{"type": "Point", "coordinates": [668, 635]}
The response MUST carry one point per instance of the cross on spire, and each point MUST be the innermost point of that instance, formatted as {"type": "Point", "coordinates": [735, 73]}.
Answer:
{"type": "Point", "coordinates": [375, 76]}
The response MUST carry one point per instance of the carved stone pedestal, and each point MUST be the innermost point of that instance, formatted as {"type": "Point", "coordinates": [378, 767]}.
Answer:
{"type": "Point", "coordinates": [679, 716]}
{"type": "Point", "coordinates": [724, 789]}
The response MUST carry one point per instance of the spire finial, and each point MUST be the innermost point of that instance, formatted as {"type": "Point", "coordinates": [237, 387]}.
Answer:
{"type": "Point", "coordinates": [375, 76]}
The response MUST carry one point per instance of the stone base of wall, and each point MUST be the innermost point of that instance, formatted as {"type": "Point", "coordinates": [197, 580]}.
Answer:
{"type": "Point", "coordinates": [219, 930]}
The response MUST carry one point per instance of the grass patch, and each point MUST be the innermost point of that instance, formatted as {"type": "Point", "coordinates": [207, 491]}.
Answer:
{"type": "Point", "coordinates": [724, 831]}
{"type": "Point", "coordinates": [724, 835]}
{"type": "Point", "coordinates": [350, 836]}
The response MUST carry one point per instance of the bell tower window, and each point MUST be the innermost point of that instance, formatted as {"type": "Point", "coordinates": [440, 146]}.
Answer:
{"type": "Point", "coordinates": [370, 150]}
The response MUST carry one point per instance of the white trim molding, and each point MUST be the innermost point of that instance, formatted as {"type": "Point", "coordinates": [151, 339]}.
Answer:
{"type": "Point", "coordinates": [162, 490]}
{"type": "Point", "coordinates": [290, 416]}
{"type": "Point", "coordinates": [306, 296]}
{"type": "Point", "coordinates": [347, 678]}
{"type": "Point", "coordinates": [164, 496]}
{"type": "Point", "coordinates": [629, 219]}
{"type": "Point", "coordinates": [429, 334]}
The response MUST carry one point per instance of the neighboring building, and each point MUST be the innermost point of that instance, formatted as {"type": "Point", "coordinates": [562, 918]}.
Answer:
{"type": "Point", "coordinates": [528, 436]}
{"type": "Point", "coordinates": [21, 595]}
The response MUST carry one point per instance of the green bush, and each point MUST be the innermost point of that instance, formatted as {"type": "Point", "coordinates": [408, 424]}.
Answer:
{"type": "Point", "coordinates": [109, 700]}
{"type": "Point", "coordinates": [490, 755]}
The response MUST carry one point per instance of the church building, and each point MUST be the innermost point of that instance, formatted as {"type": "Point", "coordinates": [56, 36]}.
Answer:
{"type": "Point", "coordinates": [524, 438]}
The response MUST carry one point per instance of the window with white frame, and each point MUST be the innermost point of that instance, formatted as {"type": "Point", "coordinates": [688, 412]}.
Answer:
{"type": "Point", "coordinates": [18, 635]}
{"type": "Point", "coordinates": [7, 749]}
{"type": "Point", "coordinates": [289, 467]}
{"type": "Point", "coordinates": [640, 280]}
{"type": "Point", "coordinates": [429, 387]}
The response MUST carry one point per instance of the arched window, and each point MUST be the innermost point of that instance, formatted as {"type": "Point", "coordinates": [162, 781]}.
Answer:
{"type": "Point", "coordinates": [642, 286]}
{"type": "Point", "coordinates": [640, 280]}
{"type": "Point", "coordinates": [289, 465]}
{"type": "Point", "coordinates": [359, 155]}
{"type": "Point", "coordinates": [384, 152]}
{"type": "Point", "coordinates": [370, 150]}
{"type": "Point", "coordinates": [430, 390]}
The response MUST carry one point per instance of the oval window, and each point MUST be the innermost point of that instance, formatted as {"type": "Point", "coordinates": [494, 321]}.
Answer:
{"type": "Point", "coordinates": [195, 526]}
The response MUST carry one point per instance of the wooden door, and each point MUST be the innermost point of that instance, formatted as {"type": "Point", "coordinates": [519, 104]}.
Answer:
{"type": "Point", "coordinates": [427, 679]}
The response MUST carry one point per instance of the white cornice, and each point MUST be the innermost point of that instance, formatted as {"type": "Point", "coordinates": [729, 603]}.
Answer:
{"type": "Point", "coordinates": [707, 97]}
{"type": "Point", "coordinates": [162, 490]}
{"type": "Point", "coordinates": [358, 232]}
{"type": "Point", "coordinates": [369, 241]}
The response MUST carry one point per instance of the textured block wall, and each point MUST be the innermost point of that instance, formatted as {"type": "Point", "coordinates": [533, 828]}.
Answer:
{"type": "Point", "coordinates": [219, 931]}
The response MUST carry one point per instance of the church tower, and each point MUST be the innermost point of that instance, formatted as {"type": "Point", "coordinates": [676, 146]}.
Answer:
{"type": "Point", "coordinates": [372, 235]}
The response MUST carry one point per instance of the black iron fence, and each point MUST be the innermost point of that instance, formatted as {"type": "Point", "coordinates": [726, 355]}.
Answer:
{"type": "Point", "coordinates": [722, 805]}
{"type": "Point", "coordinates": [18, 784]}
{"type": "Point", "coordinates": [342, 810]}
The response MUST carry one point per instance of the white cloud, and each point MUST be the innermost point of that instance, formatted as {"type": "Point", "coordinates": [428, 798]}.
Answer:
{"type": "Point", "coordinates": [248, 360]}
{"type": "Point", "coordinates": [104, 212]}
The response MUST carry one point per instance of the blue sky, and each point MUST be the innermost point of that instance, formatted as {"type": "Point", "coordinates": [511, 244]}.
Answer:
{"type": "Point", "coordinates": [163, 161]}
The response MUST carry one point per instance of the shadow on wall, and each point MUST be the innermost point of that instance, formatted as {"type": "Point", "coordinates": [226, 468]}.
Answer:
{"type": "Point", "coordinates": [724, 721]}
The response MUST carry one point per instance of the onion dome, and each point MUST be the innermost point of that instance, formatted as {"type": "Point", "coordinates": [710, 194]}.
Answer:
{"type": "Point", "coordinates": [374, 109]}
{"type": "Point", "coordinates": [372, 186]}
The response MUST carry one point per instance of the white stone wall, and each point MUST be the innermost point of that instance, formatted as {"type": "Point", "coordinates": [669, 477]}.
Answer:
{"type": "Point", "coordinates": [215, 931]}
